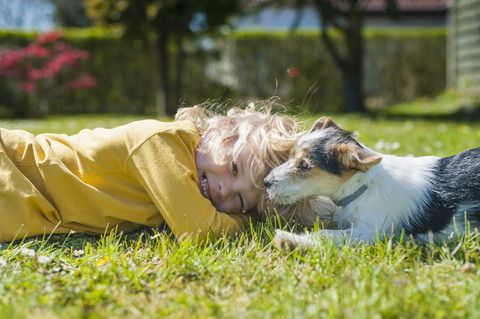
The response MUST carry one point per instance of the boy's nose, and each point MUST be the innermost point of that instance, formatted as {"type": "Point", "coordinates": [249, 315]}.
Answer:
{"type": "Point", "coordinates": [225, 189]}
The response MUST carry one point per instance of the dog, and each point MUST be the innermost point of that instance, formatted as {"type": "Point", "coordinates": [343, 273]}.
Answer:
{"type": "Point", "coordinates": [376, 194]}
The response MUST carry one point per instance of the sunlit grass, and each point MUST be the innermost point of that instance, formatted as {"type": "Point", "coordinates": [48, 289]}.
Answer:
{"type": "Point", "coordinates": [146, 274]}
{"type": "Point", "coordinates": [68, 124]}
{"type": "Point", "coordinates": [149, 275]}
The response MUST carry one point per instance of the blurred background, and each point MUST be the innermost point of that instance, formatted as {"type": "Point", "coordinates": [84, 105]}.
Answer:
{"type": "Point", "coordinates": [149, 57]}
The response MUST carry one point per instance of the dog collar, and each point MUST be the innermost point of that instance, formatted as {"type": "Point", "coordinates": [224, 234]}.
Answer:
{"type": "Point", "coordinates": [347, 200]}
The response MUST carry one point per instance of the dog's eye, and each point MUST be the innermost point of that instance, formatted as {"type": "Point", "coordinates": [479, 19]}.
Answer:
{"type": "Point", "coordinates": [304, 166]}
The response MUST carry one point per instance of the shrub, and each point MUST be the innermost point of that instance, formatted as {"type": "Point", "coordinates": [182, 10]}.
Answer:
{"type": "Point", "coordinates": [400, 65]}
{"type": "Point", "coordinates": [45, 69]}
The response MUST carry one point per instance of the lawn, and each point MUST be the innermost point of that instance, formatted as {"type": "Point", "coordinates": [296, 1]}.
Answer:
{"type": "Point", "coordinates": [147, 274]}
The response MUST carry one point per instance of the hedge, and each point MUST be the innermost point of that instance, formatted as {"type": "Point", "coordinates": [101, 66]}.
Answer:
{"type": "Point", "coordinates": [400, 65]}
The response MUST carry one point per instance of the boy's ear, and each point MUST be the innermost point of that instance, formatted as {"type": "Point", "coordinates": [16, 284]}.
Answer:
{"type": "Point", "coordinates": [352, 156]}
{"type": "Point", "coordinates": [323, 123]}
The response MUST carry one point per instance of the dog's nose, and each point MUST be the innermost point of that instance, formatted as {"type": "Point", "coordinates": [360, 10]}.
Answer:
{"type": "Point", "coordinates": [267, 182]}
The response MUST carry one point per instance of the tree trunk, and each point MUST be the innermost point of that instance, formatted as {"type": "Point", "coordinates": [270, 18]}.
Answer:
{"type": "Point", "coordinates": [162, 93]}
{"type": "Point", "coordinates": [179, 72]}
{"type": "Point", "coordinates": [352, 71]}
{"type": "Point", "coordinates": [353, 92]}
{"type": "Point", "coordinates": [350, 59]}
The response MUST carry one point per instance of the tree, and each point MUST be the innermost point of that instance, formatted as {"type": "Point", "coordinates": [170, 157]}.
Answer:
{"type": "Point", "coordinates": [164, 24]}
{"type": "Point", "coordinates": [70, 14]}
{"type": "Point", "coordinates": [346, 17]}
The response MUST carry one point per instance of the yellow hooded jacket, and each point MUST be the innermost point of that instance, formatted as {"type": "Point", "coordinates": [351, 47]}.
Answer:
{"type": "Point", "coordinates": [140, 173]}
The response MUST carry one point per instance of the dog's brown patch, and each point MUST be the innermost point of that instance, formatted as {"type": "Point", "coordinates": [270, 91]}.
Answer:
{"type": "Point", "coordinates": [353, 157]}
{"type": "Point", "coordinates": [323, 123]}
{"type": "Point", "coordinates": [326, 179]}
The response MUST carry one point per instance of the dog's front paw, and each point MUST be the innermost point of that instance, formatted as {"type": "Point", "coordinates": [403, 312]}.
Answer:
{"type": "Point", "coordinates": [285, 240]}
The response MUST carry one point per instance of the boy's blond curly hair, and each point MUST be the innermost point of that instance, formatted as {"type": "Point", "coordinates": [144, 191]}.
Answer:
{"type": "Point", "coordinates": [266, 132]}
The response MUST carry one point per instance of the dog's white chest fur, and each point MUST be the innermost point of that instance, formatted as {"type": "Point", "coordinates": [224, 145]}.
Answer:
{"type": "Point", "coordinates": [396, 188]}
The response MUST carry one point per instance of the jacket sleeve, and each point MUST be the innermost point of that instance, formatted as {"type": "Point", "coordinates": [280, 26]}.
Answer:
{"type": "Point", "coordinates": [165, 166]}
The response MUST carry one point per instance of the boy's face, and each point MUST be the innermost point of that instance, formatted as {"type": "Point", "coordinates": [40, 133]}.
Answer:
{"type": "Point", "coordinates": [229, 187]}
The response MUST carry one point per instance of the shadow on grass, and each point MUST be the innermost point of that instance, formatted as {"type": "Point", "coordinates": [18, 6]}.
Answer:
{"type": "Point", "coordinates": [450, 106]}
{"type": "Point", "coordinates": [464, 115]}
{"type": "Point", "coordinates": [76, 241]}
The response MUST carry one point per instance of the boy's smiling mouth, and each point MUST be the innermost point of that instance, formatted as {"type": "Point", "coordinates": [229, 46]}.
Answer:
{"type": "Point", "coordinates": [204, 187]}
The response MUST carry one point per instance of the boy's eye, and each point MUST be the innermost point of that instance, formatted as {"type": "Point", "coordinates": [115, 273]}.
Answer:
{"type": "Point", "coordinates": [234, 168]}
{"type": "Point", "coordinates": [242, 204]}
{"type": "Point", "coordinates": [240, 198]}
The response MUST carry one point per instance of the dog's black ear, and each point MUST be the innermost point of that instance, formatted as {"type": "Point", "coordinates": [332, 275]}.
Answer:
{"type": "Point", "coordinates": [353, 156]}
{"type": "Point", "coordinates": [323, 123]}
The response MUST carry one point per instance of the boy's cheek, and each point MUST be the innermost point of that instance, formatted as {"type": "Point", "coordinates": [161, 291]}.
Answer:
{"type": "Point", "coordinates": [225, 208]}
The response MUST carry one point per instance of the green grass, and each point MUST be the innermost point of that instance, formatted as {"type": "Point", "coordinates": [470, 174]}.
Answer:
{"type": "Point", "coordinates": [146, 274]}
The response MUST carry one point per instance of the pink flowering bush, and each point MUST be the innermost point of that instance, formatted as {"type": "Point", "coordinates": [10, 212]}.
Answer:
{"type": "Point", "coordinates": [46, 68]}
